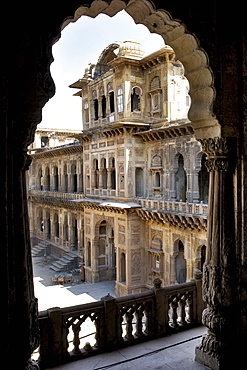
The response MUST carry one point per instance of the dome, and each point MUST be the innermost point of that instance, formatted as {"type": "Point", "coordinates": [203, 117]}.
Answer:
{"type": "Point", "coordinates": [131, 49]}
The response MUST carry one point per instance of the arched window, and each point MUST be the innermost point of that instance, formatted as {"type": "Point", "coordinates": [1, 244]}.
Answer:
{"type": "Point", "coordinates": [136, 99]}
{"type": "Point", "coordinates": [155, 83]}
{"type": "Point", "coordinates": [157, 179]}
{"type": "Point", "coordinates": [65, 176]}
{"type": "Point", "coordinates": [73, 178]}
{"type": "Point", "coordinates": [95, 106]}
{"type": "Point", "coordinates": [181, 180]}
{"type": "Point", "coordinates": [96, 173]}
{"type": "Point", "coordinates": [180, 264]}
{"type": "Point", "coordinates": [103, 103]}
{"type": "Point", "coordinates": [111, 98]}
{"type": "Point", "coordinates": [56, 225]}
{"type": "Point", "coordinates": [47, 180]}
{"type": "Point", "coordinates": [55, 178]}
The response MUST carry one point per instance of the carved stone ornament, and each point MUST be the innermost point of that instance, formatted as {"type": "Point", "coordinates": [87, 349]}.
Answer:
{"type": "Point", "coordinates": [215, 147]}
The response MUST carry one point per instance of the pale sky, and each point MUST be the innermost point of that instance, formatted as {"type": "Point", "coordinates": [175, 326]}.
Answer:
{"type": "Point", "coordinates": [81, 43]}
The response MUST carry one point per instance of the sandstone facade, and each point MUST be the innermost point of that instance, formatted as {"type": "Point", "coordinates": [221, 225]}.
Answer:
{"type": "Point", "coordinates": [130, 194]}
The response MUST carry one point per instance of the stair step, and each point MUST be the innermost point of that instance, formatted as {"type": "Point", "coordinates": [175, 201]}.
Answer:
{"type": "Point", "coordinates": [64, 262]}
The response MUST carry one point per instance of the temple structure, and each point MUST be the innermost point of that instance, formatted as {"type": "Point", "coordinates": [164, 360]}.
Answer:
{"type": "Point", "coordinates": [129, 194]}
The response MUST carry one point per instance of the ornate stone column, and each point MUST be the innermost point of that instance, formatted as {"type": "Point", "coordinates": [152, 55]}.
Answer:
{"type": "Point", "coordinates": [109, 183]}
{"type": "Point", "coordinates": [220, 270]}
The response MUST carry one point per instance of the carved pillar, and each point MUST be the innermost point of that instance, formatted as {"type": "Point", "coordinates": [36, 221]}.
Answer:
{"type": "Point", "coordinates": [109, 182]}
{"type": "Point", "coordinates": [220, 270]}
{"type": "Point", "coordinates": [196, 195]}
{"type": "Point", "coordinates": [172, 185]}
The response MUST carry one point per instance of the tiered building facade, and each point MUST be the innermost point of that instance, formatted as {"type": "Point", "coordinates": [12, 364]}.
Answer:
{"type": "Point", "coordinates": [129, 193]}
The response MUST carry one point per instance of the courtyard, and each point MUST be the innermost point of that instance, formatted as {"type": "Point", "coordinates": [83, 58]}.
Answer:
{"type": "Point", "coordinates": [58, 295]}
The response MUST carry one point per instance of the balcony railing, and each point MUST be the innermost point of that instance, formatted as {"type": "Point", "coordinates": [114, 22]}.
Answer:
{"type": "Point", "coordinates": [166, 205]}
{"type": "Point", "coordinates": [72, 333]}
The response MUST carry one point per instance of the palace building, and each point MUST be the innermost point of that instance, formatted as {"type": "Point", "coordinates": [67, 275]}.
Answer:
{"type": "Point", "coordinates": [128, 194]}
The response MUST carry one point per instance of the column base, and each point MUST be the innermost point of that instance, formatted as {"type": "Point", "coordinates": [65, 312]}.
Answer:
{"type": "Point", "coordinates": [32, 365]}
{"type": "Point", "coordinates": [207, 359]}
{"type": "Point", "coordinates": [217, 355]}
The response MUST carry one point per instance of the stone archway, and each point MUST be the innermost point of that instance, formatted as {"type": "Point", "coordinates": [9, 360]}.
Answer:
{"type": "Point", "coordinates": [28, 100]}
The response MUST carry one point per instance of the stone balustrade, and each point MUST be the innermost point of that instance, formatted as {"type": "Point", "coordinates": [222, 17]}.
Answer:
{"type": "Point", "coordinates": [71, 333]}
{"type": "Point", "coordinates": [166, 205]}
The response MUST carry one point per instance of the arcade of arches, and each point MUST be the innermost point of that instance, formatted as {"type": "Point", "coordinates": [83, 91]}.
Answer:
{"type": "Point", "coordinates": [210, 41]}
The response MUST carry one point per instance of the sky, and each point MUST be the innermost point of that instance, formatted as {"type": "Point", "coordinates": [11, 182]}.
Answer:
{"type": "Point", "coordinates": [81, 43]}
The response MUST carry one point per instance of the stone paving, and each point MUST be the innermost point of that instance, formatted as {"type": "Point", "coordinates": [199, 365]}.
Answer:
{"type": "Point", "coordinates": [77, 292]}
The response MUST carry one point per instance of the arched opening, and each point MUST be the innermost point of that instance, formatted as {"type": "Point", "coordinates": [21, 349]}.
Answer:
{"type": "Point", "coordinates": [65, 179]}
{"type": "Point", "coordinates": [47, 185]}
{"type": "Point", "coordinates": [181, 180]}
{"type": "Point", "coordinates": [55, 178]}
{"type": "Point", "coordinates": [180, 263]}
{"type": "Point", "coordinates": [66, 230]}
{"type": "Point", "coordinates": [96, 173]}
{"type": "Point", "coordinates": [73, 178]}
{"type": "Point", "coordinates": [136, 99]}
{"type": "Point", "coordinates": [47, 226]}
{"type": "Point", "coordinates": [105, 251]}
{"type": "Point", "coordinates": [56, 225]}
{"type": "Point", "coordinates": [104, 173]}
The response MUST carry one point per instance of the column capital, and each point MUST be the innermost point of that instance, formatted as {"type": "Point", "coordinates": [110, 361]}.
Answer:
{"type": "Point", "coordinates": [216, 147]}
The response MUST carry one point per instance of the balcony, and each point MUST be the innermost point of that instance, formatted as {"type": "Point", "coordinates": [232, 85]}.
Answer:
{"type": "Point", "coordinates": [112, 324]}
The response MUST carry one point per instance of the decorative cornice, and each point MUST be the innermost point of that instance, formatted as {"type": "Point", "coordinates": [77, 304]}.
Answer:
{"type": "Point", "coordinates": [169, 132]}
{"type": "Point", "coordinates": [63, 150]}
{"type": "Point", "coordinates": [180, 220]}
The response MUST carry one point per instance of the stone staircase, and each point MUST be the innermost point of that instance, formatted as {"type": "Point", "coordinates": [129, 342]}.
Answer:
{"type": "Point", "coordinates": [68, 261]}
{"type": "Point", "coordinates": [39, 249]}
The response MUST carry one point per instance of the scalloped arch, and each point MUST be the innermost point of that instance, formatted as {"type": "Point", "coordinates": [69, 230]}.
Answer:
{"type": "Point", "coordinates": [187, 50]}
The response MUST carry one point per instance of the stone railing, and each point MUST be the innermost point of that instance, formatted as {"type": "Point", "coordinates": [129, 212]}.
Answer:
{"type": "Point", "coordinates": [166, 205]}
{"type": "Point", "coordinates": [55, 194]}
{"type": "Point", "coordinates": [75, 332]}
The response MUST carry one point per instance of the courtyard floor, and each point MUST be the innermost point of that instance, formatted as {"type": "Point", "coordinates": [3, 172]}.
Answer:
{"type": "Point", "coordinates": [77, 292]}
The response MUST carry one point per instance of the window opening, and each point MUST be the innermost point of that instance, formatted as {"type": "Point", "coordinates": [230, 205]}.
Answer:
{"type": "Point", "coordinates": [120, 102]}
{"type": "Point", "coordinates": [136, 99]}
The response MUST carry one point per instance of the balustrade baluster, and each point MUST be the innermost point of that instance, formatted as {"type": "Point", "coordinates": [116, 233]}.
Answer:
{"type": "Point", "coordinates": [189, 302]}
{"type": "Point", "coordinates": [129, 327]}
{"type": "Point", "coordinates": [174, 307]}
{"type": "Point", "coordinates": [182, 304]}
{"type": "Point", "coordinates": [97, 331]}
{"type": "Point", "coordinates": [76, 340]}
{"type": "Point", "coordinates": [139, 316]}
{"type": "Point", "coordinates": [148, 322]}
